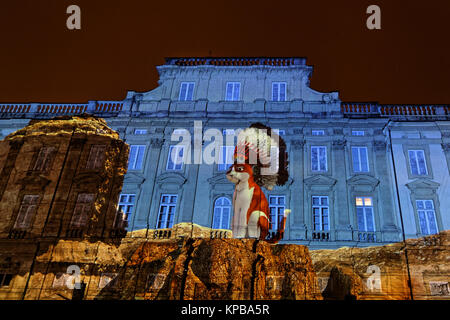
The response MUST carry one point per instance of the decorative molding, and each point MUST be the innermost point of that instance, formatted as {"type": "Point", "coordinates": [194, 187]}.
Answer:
{"type": "Point", "coordinates": [133, 178]}
{"type": "Point", "coordinates": [298, 131]}
{"type": "Point", "coordinates": [363, 183]}
{"type": "Point", "coordinates": [422, 184]}
{"type": "Point", "coordinates": [320, 180]}
{"type": "Point", "coordinates": [379, 145]}
{"type": "Point", "coordinates": [338, 131]}
{"type": "Point", "coordinates": [446, 147]}
{"type": "Point", "coordinates": [173, 178]}
{"type": "Point", "coordinates": [339, 144]}
{"type": "Point", "coordinates": [157, 142]}
{"type": "Point", "coordinates": [297, 143]}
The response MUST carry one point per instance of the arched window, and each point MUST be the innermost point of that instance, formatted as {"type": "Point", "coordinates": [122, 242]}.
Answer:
{"type": "Point", "coordinates": [222, 212]}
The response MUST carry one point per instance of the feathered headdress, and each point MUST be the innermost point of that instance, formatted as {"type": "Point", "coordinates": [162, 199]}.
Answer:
{"type": "Point", "coordinates": [265, 150]}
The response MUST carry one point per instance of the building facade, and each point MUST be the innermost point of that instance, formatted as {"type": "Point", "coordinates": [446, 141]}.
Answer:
{"type": "Point", "coordinates": [360, 174]}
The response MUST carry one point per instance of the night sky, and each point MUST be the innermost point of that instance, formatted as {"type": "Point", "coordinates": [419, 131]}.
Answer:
{"type": "Point", "coordinates": [121, 42]}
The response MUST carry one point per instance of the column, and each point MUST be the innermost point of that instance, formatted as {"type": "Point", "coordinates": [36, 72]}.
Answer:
{"type": "Point", "coordinates": [297, 227]}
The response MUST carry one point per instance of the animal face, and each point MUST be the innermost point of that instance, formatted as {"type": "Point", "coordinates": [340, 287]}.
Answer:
{"type": "Point", "coordinates": [239, 172]}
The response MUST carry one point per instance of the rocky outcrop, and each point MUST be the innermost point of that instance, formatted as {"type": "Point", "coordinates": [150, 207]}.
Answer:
{"type": "Point", "coordinates": [384, 272]}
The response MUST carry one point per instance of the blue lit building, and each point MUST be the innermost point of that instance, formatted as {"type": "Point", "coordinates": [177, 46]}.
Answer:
{"type": "Point", "coordinates": [360, 173]}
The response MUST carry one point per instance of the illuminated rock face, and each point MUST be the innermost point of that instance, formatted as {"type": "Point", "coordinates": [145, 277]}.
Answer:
{"type": "Point", "coordinates": [61, 178]}
{"type": "Point", "coordinates": [382, 272]}
{"type": "Point", "coordinates": [196, 268]}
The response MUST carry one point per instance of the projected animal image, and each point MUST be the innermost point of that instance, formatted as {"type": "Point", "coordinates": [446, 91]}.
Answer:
{"type": "Point", "coordinates": [260, 160]}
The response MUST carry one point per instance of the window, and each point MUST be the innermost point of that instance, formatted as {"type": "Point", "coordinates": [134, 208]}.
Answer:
{"type": "Point", "coordinates": [82, 210]}
{"type": "Point", "coordinates": [167, 208]}
{"type": "Point", "coordinates": [136, 157]}
{"type": "Point", "coordinates": [280, 132]}
{"type": "Point", "coordinates": [226, 158]}
{"type": "Point", "coordinates": [360, 159]}
{"type": "Point", "coordinates": [124, 210]}
{"type": "Point", "coordinates": [364, 214]}
{"type": "Point", "coordinates": [357, 133]}
{"type": "Point", "coordinates": [222, 213]}
{"type": "Point", "coordinates": [44, 159]}
{"type": "Point", "coordinates": [276, 208]}
{"type": "Point", "coordinates": [417, 162]}
{"type": "Point", "coordinates": [228, 132]}
{"type": "Point", "coordinates": [233, 91]}
{"type": "Point", "coordinates": [427, 216]}
{"type": "Point", "coordinates": [318, 132]}
{"type": "Point", "coordinates": [96, 157]}
{"type": "Point", "coordinates": [186, 91]}
{"type": "Point", "coordinates": [318, 158]}
{"type": "Point", "coordinates": [175, 158]}
{"type": "Point", "coordinates": [27, 211]}
{"type": "Point", "coordinates": [5, 279]}
{"type": "Point", "coordinates": [320, 209]}
{"type": "Point", "coordinates": [140, 131]}
{"type": "Point", "coordinates": [279, 91]}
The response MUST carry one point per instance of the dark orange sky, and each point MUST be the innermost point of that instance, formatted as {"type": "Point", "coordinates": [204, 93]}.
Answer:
{"type": "Point", "coordinates": [121, 42]}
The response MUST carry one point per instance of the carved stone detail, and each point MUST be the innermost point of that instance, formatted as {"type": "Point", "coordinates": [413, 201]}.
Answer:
{"type": "Point", "coordinates": [339, 144]}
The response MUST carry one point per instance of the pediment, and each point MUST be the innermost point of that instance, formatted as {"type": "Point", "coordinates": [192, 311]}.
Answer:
{"type": "Point", "coordinates": [171, 178]}
{"type": "Point", "coordinates": [34, 182]}
{"type": "Point", "coordinates": [219, 179]}
{"type": "Point", "coordinates": [363, 179]}
{"type": "Point", "coordinates": [320, 180]}
{"type": "Point", "coordinates": [132, 177]}
{"type": "Point", "coordinates": [422, 183]}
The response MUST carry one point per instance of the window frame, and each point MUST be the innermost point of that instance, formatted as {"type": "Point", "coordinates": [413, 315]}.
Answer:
{"type": "Point", "coordinates": [234, 84]}
{"type": "Point", "coordinates": [320, 207]}
{"type": "Point", "coordinates": [133, 167]}
{"type": "Point", "coordinates": [167, 223]}
{"type": "Point", "coordinates": [416, 152]}
{"type": "Point", "coordinates": [425, 210]}
{"type": "Point", "coordinates": [318, 158]}
{"type": "Point", "coordinates": [186, 96]}
{"type": "Point", "coordinates": [364, 207]}
{"type": "Point", "coordinates": [29, 214]}
{"type": "Point", "coordinates": [278, 98]}
{"type": "Point", "coordinates": [359, 159]}
{"type": "Point", "coordinates": [170, 161]}
{"type": "Point", "coordinates": [127, 204]}
{"type": "Point", "coordinates": [273, 227]}
{"type": "Point", "coordinates": [222, 206]}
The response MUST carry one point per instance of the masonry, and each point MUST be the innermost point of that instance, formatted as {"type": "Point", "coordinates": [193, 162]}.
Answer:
{"type": "Point", "coordinates": [361, 173]}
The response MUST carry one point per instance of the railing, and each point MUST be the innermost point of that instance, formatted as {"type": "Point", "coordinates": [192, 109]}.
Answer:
{"type": "Point", "coordinates": [108, 106]}
{"type": "Point", "coordinates": [74, 233]}
{"type": "Point", "coordinates": [413, 110]}
{"type": "Point", "coordinates": [367, 237]}
{"type": "Point", "coordinates": [360, 108]}
{"type": "Point", "coordinates": [61, 108]}
{"type": "Point", "coordinates": [218, 234]}
{"type": "Point", "coordinates": [236, 61]}
{"type": "Point", "coordinates": [17, 234]}
{"type": "Point", "coordinates": [321, 236]}
{"type": "Point", "coordinates": [162, 234]}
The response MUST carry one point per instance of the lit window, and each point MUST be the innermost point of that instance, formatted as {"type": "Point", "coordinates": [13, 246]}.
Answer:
{"type": "Point", "coordinates": [318, 132]}
{"type": "Point", "coordinates": [279, 91]}
{"type": "Point", "coordinates": [140, 131]}
{"type": "Point", "coordinates": [225, 158]}
{"type": "Point", "coordinates": [175, 158]}
{"type": "Point", "coordinates": [360, 159]}
{"type": "Point", "coordinates": [167, 208]}
{"type": "Point", "coordinates": [136, 157]}
{"type": "Point", "coordinates": [96, 157]}
{"type": "Point", "coordinates": [417, 162]}
{"type": "Point", "coordinates": [186, 91]}
{"type": "Point", "coordinates": [233, 91]}
{"type": "Point", "coordinates": [27, 211]}
{"type": "Point", "coordinates": [280, 132]}
{"type": "Point", "coordinates": [82, 210]}
{"type": "Point", "coordinates": [277, 206]}
{"type": "Point", "coordinates": [319, 158]}
{"type": "Point", "coordinates": [357, 133]}
{"type": "Point", "coordinates": [364, 214]}
{"type": "Point", "coordinates": [320, 210]}
{"type": "Point", "coordinates": [124, 210]}
{"type": "Point", "coordinates": [427, 217]}
{"type": "Point", "coordinates": [222, 213]}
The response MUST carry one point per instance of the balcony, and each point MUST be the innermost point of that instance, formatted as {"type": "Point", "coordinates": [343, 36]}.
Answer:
{"type": "Point", "coordinates": [320, 236]}
{"type": "Point", "coordinates": [367, 237]}
{"type": "Point", "coordinates": [162, 234]}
